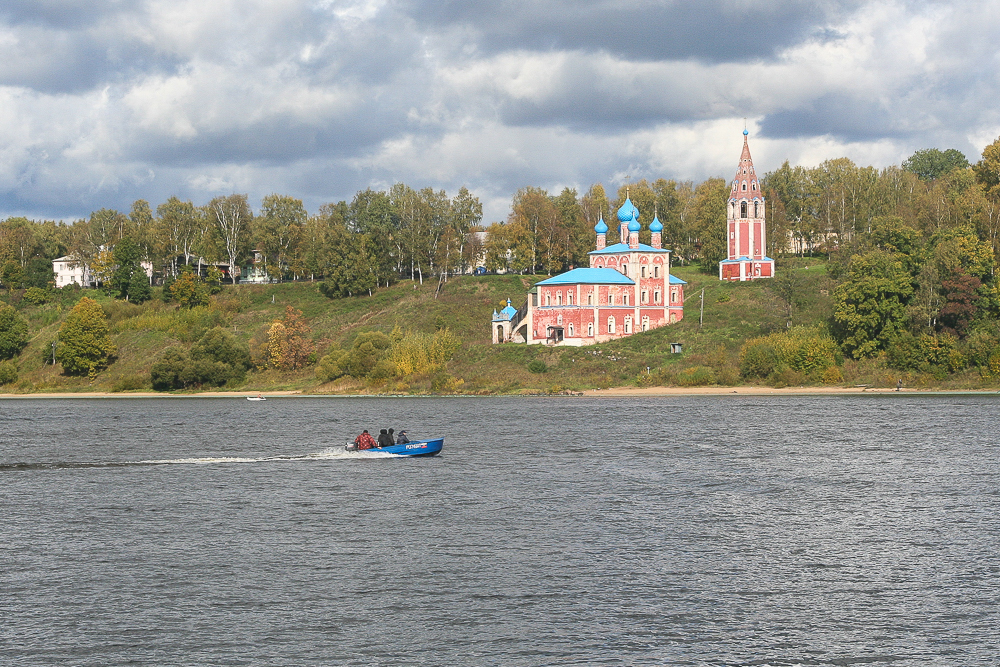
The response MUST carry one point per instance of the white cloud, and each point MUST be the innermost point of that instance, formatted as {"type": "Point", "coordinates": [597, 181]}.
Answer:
{"type": "Point", "coordinates": [318, 99]}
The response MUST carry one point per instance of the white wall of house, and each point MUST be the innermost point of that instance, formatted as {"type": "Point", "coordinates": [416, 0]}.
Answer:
{"type": "Point", "coordinates": [68, 271]}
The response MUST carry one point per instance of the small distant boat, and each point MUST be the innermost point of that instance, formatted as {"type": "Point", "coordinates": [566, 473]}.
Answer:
{"type": "Point", "coordinates": [256, 398]}
{"type": "Point", "coordinates": [412, 448]}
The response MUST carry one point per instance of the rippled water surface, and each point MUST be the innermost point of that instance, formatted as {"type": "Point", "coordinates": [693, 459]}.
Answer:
{"type": "Point", "coordinates": [642, 531]}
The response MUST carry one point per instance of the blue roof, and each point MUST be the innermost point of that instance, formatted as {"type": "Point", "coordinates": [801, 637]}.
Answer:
{"type": "Point", "coordinates": [744, 258]}
{"type": "Point", "coordinates": [623, 247]}
{"type": "Point", "coordinates": [674, 280]}
{"type": "Point", "coordinates": [590, 277]}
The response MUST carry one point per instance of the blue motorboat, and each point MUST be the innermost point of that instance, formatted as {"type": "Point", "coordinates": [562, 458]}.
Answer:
{"type": "Point", "coordinates": [412, 448]}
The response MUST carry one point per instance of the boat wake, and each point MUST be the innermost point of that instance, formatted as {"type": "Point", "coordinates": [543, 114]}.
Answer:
{"type": "Point", "coordinates": [328, 454]}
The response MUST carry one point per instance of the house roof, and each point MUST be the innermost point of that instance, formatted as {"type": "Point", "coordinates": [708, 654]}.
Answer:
{"type": "Point", "coordinates": [674, 280]}
{"type": "Point", "coordinates": [588, 276]}
{"type": "Point", "coordinates": [623, 247]}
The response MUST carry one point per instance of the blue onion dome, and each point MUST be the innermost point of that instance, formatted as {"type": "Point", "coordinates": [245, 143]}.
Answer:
{"type": "Point", "coordinates": [625, 212]}
{"type": "Point", "coordinates": [601, 227]}
{"type": "Point", "coordinates": [746, 132]}
{"type": "Point", "coordinates": [655, 225]}
{"type": "Point", "coordinates": [633, 226]}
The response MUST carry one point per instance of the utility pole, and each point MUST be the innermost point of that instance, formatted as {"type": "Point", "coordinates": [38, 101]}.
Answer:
{"type": "Point", "coordinates": [701, 315]}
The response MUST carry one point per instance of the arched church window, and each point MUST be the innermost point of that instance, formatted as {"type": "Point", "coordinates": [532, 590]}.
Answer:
{"type": "Point", "coordinates": [590, 329]}
{"type": "Point", "coordinates": [744, 186]}
{"type": "Point", "coordinates": [645, 296]}
{"type": "Point", "coordinates": [743, 209]}
{"type": "Point", "coordinates": [611, 299]}
{"type": "Point", "coordinates": [548, 299]}
{"type": "Point", "coordinates": [645, 323]}
{"type": "Point", "coordinates": [590, 298]}
{"type": "Point", "coordinates": [559, 320]}
{"type": "Point", "coordinates": [656, 271]}
{"type": "Point", "coordinates": [569, 298]}
{"type": "Point", "coordinates": [755, 214]}
{"type": "Point", "coordinates": [625, 298]}
{"type": "Point", "coordinates": [628, 325]}
{"type": "Point", "coordinates": [643, 272]}
{"type": "Point", "coordinates": [558, 298]}
{"type": "Point", "coordinates": [571, 329]}
{"type": "Point", "coordinates": [656, 296]}
{"type": "Point", "coordinates": [611, 325]}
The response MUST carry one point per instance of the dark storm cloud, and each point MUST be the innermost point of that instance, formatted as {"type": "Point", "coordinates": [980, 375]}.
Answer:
{"type": "Point", "coordinates": [847, 118]}
{"type": "Point", "coordinates": [62, 62]}
{"type": "Point", "coordinates": [276, 139]}
{"type": "Point", "coordinates": [645, 30]}
{"type": "Point", "coordinates": [63, 14]}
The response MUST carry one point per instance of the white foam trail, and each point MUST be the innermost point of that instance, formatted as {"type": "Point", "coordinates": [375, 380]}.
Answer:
{"type": "Point", "coordinates": [327, 454]}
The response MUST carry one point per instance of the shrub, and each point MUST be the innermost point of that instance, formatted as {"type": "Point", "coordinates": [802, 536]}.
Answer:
{"type": "Point", "coordinates": [36, 296]}
{"type": "Point", "coordinates": [13, 332]}
{"type": "Point", "coordinates": [129, 383]}
{"type": "Point", "coordinates": [8, 373]}
{"type": "Point", "coordinates": [84, 344]}
{"type": "Point", "coordinates": [286, 344]}
{"type": "Point", "coordinates": [802, 349]}
{"type": "Point", "coordinates": [188, 290]}
{"type": "Point", "coordinates": [443, 383]}
{"type": "Point", "coordinates": [537, 366]}
{"type": "Point", "coordinates": [330, 366]}
{"type": "Point", "coordinates": [696, 376]}
{"type": "Point", "coordinates": [219, 345]}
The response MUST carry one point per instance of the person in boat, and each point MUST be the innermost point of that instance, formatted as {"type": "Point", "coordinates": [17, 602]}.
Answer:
{"type": "Point", "coordinates": [364, 441]}
{"type": "Point", "coordinates": [383, 439]}
{"type": "Point", "coordinates": [392, 438]}
{"type": "Point", "coordinates": [401, 439]}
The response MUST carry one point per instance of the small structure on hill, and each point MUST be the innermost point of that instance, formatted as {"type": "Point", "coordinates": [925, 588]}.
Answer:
{"type": "Point", "coordinates": [745, 230]}
{"type": "Point", "coordinates": [627, 289]}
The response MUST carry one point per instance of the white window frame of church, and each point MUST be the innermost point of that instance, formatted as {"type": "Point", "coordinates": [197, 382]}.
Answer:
{"type": "Point", "coordinates": [743, 209]}
{"type": "Point", "coordinates": [611, 324]}
{"type": "Point", "coordinates": [645, 296]}
{"type": "Point", "coordinates": [569, 298]}
{"type": "Point", "coordinates": [590, 298]}
{"type": "Point", "coordinates": [590, 329]}
{"type": "Point", "coordinates": [656, 271]}
{"type": "Point", "coordinates": [628, 325]}
{"type": "Point", "coordinates": [570, 329]}
{"type": "Point", "coordinates": [643, 272]}
{"type": "Point", "coordinates": [645, 323]}
{"type": "Point", "coordinates": [673, 296]}
{"type": "Point", "coordinates": [755, 214]}
{"type": "Point", "coordinates": [558, 298]}
{"type": "Point", "coordinates": [611, 299]}
{"type": "Point", "coordinates": [744, 186]}
{"type": "Point", "coordinates": [625, 299]}
{"type": "Point", "coordinates": [559, 320]}
{"type": "Point", "coordinates": [548, 299]}
{"type": "Point", "coordinates": [656, 296]}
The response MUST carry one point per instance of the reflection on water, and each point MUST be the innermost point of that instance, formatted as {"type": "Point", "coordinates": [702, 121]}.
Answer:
{"type": "Point", "coordinates": [634, 531]}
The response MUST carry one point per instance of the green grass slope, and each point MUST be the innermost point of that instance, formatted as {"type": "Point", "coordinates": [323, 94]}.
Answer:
{"type": "Point", "coordinates": [712, 332]}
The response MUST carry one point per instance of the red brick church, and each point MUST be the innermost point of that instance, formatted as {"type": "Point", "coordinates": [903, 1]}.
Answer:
{"type": "Point", "coordinates": [627, 288]}
{"type": "Point", "coordinates": [746, 235]}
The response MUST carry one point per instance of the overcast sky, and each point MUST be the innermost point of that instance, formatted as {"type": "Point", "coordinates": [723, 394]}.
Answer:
{"type": "Point", "coordinates": [106, 101]}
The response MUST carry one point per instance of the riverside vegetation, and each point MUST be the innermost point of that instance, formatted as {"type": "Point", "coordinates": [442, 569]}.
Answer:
{"type": "Point", "coordinates": [882, 275]}
{"type": "Point", "coordinates": [421, 339]}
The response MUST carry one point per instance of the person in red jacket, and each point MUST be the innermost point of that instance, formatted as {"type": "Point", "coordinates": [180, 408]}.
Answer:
{"type": "Point", "coordinates": [364, 441]}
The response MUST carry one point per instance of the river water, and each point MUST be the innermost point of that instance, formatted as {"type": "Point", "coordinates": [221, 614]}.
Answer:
{"type": "Point", "coordinates": [551, 531]}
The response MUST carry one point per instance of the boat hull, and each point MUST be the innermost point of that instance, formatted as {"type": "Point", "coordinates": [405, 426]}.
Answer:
{"type": "Point", "coordinates": [413, 448]}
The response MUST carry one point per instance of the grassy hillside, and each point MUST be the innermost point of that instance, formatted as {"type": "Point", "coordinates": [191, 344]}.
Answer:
{"type": "Point", "coordinates": [733, 312]}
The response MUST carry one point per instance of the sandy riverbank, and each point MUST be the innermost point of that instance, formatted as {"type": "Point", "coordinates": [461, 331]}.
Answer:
{"type": "Point", "coordinates": [611, 392]}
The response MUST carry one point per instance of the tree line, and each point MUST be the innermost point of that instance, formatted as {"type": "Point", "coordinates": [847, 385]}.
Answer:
{"type": "Point", "coordinates": [356, 246]}
{"type": "Point", "coordinates": [382, 235]}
